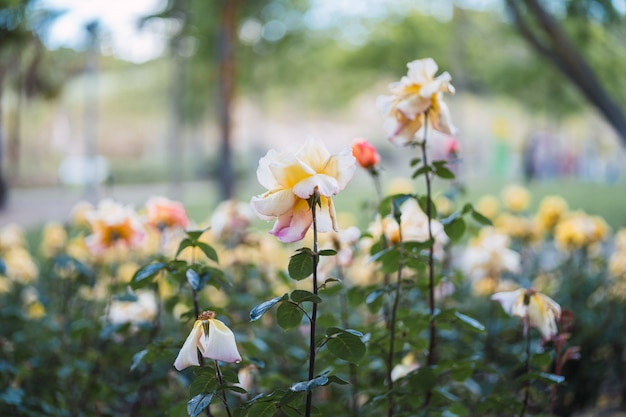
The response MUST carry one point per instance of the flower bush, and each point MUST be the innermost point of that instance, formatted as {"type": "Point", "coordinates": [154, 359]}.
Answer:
{"type": "Point", "coordinates": [436, 307]}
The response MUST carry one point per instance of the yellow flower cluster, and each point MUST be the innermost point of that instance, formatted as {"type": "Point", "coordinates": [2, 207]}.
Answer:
{"type": "Point", "coordinates": [617, 268]}
{"type": "Point", "coordinates": [577, 230]}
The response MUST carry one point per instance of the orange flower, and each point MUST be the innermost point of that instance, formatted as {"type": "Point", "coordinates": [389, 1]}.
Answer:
{"type": "Point", "coordinates": [164, 213]}
{"type": "Point", "coordinates": [365, 153]}
{"type": "Point", "coordinates": [113, 225]}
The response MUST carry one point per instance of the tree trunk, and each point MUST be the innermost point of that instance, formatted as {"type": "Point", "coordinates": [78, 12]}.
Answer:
{"type": "Point", "coordinates": [553, 43]}
{"type": "Point", "coordinates": [3, 185]}
{"type": "Point", "coordinates": [175, 134]}
{"type": "Point", "coordinates": [226, 88]}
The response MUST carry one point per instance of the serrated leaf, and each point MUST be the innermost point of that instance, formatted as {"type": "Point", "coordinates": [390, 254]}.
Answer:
{"type": "Point", "coordinates": [262, 409]}
{"type": "Point", "coordinates": [205, 382]}
{"type": "Point", "coordinates": [346, 346]}
{"type": "Point", "coordinates": [470, 322]}
{"type": "Point", "coordinates": [309, 385]}
{"type": "Point", "coordinates": [299, 296]}
{"type": "Point", "coordinates": [144, 274]}
{"type": "Point", "coordinates": [198, 404]}
{"type": "Point", "coordinates": [208, 251]}
{"type": "Point", "coordinates": [300, 266]}
{"type": "Point", "coordinates": [455, 229]}
{"type": "Point", "coordinates": [327, 252]}
{"type": "Point", "coordinates": [258, 311]}
{"type": "Point", "coordinates": [289, 315]}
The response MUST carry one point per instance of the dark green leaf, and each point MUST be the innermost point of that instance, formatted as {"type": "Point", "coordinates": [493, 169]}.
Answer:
{"type": "Point", "coordinates": [299, 296]}
{"type": "Point", "coordinates": [198, 404]}
{"type": "Point", "coordinates": [455, 229]}
{"type": "Point", "coordinates": [300, 266]}
{"type": "Point", "coordinates": [259, 310]}
{"type": "Point", "coordinates": [461, 372]}
{"type": "Point", "coordinates": [205, 382]}
{"type": "Point", "coordinates": [421, 171]}
{"type": "Point", "coordinates": [445, 173]}
{"type": "Point", "coordinates": [415, 161]}
{"type": "Point", "coordinates": [194, 235]}
{"type": "Point", "coordinates": [185, 243]}
{"type": "Point", "coordinates": [328, 252]}
{"type": "Point", "coordinates": [289, 315]}
{"type": "Point", "coordinates": [480, 218]}
{"type": "Point", "coordinates": [144, 274]}
{"type": "Point", "coordinates": [347, 346]}
{"type": "Point", "coordinates": [424, 379]}
{"type": "Point", "coordinates": [208, 251]}
{"type": "Point", "coordinates": [424, 202]}
{"type": "Point", "coordinates": [262, 409]}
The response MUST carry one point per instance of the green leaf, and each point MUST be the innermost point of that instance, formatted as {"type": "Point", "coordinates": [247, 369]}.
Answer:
{"type": "Point", "coordinates": [455, 229]}
{"type": "Point", "coordinates": [347, 346]}
{"type": "Point", "coordinates": [300, 266]}
{"type": "Point", "coordinates": [144, 274]}
{"type": "Point", "coordinates": [415, 161]}
{"type": "Point", "coordinates": [424, 379]}
{"type": "Point", "coordinates": [258, 311]}
{"type": "Point", "coordinates": [208, 251]}
{"type": "Point", "coordinates": [424, 202]}
{"type": "Point", "coordinates": [421, 171]}
{"type": "Point", "coordinates": [184, 244]}
{"type": "Point", "coordinates": [299, 296]}
{"type": "Point", "coordinates": [327, 252]}
{"type": "Point", "coordinates": [480, 218]}
{"type": "Point", "coordinates": [194, 279]}
{"type": "Point", "coordinates": [198, 404]}
{"type": "Point", "coordinates": [205, 382]}
{"type": "Point", "coordinates": [195, 234]}
{"type": "Point", "coordinates": [551, 378]}
{"type": "Point", "coordinates": [470, 322]}
{"type": "Point", "coordinates": [138, 358]}
{"type": "Point", "coordinates": [461, 372]}
{"type": "Point", "coordinates": [289, 315]}
{"type": "Point", "coordinates": [309, 385]}
{"type": "Point", "coordinates": [262, 409]}
{"type": "Point", "coordinates": [443, 172]}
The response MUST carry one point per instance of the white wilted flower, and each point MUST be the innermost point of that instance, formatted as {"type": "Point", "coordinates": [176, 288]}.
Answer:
{"type": "Point", "coordinates": [541, 311]}
{"type": "Point", "coordinates": [212, 338]}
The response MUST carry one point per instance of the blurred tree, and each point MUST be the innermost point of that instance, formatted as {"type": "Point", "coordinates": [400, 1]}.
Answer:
{"type": "Point", "coordinates": [209, 67]}
{"type": "Point", "coordinates": [24, 67]}
{"type": "Point", "coordinates": [548, 37]}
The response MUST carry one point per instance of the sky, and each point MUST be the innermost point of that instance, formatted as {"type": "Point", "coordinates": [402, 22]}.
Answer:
{"type": "Point", "coordinates": [118, 19]}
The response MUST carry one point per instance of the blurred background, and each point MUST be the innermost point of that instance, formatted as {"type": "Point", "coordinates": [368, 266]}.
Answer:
{"type": "Point", "coordinates": [127, 99]}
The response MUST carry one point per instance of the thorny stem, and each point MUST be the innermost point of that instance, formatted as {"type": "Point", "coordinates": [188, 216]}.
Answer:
{"type": "Point", "coordinates": [220, 379]}
{"type": "Point", "coordinates": [354, 403]}
{"type": "Point", "coordinates": [392, 326]}
{"type": "Point", "coordinates": [432, 345]}
{"type": "Point", "coordinates": [527, 388]}
{"type": "Point", "coordinates": [309, 396]}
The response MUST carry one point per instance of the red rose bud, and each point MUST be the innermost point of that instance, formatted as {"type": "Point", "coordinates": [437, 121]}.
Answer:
{"type": "Point", "coordinates": [366, 155]}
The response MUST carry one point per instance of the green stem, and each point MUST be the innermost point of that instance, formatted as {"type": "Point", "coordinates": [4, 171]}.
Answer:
{"type": "Point", "coordinates": [312, 351]}
{"type": "Point", "coordinates": [220, 379]}
{"type": "Point", "coordinates": [432, 344]}
{"type": "Point", "coordinates": [392, 327]}
{"type": "Point", "coordinates": [527, 387]}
